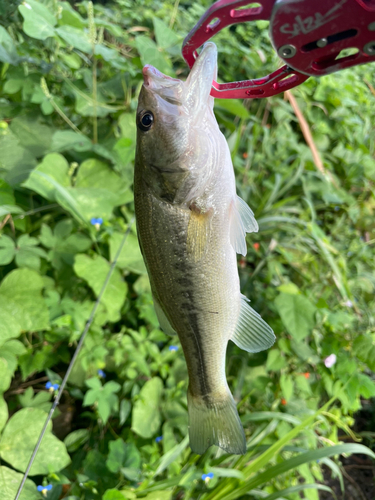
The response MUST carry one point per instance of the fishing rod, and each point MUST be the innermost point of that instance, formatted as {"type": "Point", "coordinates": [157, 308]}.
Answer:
{"type": "Point", "coordinates": [73, 360]}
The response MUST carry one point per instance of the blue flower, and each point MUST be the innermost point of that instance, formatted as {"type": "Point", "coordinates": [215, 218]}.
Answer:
{"type": "Point", "coordinates": [96, 222]}
{"type": "Point", "coordinates": [101, 374]}
{"type": "Point", "coordinates": [52, 387]}
{"type": "Point", "coordinates": [208, 476]}
{"type": "Point", "coordinates": [337, 208]}
{"type": "Point", "coordinates": [158, 439]}
{"type": "Point", "coordinates": [173, 348]}
{"type": "Point", "coordinates": [44, 489]}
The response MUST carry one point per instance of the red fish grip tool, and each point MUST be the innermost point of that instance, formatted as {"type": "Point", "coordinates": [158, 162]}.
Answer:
{"type": "Point", "coordinates": [309, 36]}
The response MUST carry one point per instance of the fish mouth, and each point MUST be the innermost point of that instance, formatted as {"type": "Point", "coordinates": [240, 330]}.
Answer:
{"type": "Point", "coordinates": [170, 89]}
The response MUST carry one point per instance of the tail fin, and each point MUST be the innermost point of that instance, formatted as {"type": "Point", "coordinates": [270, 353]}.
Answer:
{"type": "Point", "coordinates": [215, 423]}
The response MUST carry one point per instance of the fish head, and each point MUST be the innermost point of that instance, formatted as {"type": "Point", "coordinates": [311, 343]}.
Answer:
{"type": "Point", "coordinates": [172, 118]}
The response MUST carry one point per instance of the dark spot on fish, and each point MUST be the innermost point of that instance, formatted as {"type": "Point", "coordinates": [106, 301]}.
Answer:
{"type": "Point", "coordinates": [213, 312]}
{"type": "Point", "coordinates": [185, 282]}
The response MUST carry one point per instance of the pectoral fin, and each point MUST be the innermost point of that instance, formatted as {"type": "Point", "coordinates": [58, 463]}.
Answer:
{"type": "Point", "coordinates": [242, 221]}
{"type": "Point", "coordinates": [252, 334]}
{"type": "Point", "coordinates": [163, 320]}
{"type": "Point", "coordinates": [198, 233]}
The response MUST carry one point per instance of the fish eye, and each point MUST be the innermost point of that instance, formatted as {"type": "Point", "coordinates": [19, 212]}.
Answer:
{"type": "Point", "coordinates": [145, 121]}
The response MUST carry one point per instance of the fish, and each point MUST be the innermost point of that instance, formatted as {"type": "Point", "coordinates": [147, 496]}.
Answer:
{"type": "Point", "coordinates": [190, 226]}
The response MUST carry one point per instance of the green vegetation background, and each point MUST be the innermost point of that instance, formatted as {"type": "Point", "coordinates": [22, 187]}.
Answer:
{"type": "Point", "coordinates": [69, 80]}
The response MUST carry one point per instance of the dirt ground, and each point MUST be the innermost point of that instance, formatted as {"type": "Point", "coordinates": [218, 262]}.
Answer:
{"type": "Point", "coordinates": [358, 470]}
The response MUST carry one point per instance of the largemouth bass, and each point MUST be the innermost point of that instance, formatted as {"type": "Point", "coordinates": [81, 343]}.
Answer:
{"type": "Point", "coordinates": [190, 225]}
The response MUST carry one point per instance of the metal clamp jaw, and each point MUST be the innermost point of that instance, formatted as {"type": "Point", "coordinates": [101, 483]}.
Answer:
{"type": "Point", "coordinates": [308, 36]}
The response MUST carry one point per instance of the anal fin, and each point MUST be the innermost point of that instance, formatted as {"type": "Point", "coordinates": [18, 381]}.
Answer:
{"type": "Point", "coordinates": [163, 320]}
{"type": "Point", "coordinates": [252, 333]}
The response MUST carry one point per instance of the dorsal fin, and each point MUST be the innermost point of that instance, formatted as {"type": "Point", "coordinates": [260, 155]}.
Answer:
{"type": "Point", "coordinates": [242, 221]}
{"type": "Point", "coordinates": [252, 334]}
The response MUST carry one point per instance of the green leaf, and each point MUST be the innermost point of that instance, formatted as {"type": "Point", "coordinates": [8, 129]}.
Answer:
{"type": "Point", "coordinates": [286, 384]}
{"type": "Point", "coordinates": [300, 487]}
{"type": "Point", "coordinates": [32, 134]}
{"type": "Point", "coordinates": [364, 349]}
{"type": "Point", "coordinates": [8, 51]}
{"type": "Point", "coordinates": [94, 271]}
{"type": "Point", "coordinates": [5, 376]}
{"type": "Point", "coordinates": [63, 140]}
{"type": "Point", "coordinates": [76, 439]}
{"type": "Point", "coordinates": [77, 38]}
{"type": "Point", "coordinates": [55, 167]}
{"type": "Point", "coordinates": [151, 55]}
{"type": "Point", "coordinates": [21, 299]}
{"type": "Point", "coordinates": [3, 414]}
{"type": "Point", "coordinates": [96, 174]}
{"type": "Point", "coordinates": [297, 314]}
{"type": "Point", "coordinates": [113, 494]}
{"type": "Point", "coordinates": [125, 407]}
{"type": "Point", "coordinates": [28, 254]}
{"type": "Point", "coordinates": [38, 21]}
{"type": "Point", "coordinates": [7, 249]}
{"type": "Point", "coordinates": [234, 106]}
{"type": "Point", "coordinates": [116, 455]}
{"type": "Point", "coordinates": [165, 37]}
{"type": "Point", "coordinates": [171, 456]}
{"type": "Point", "coordinates": [19, 439]}
{"type": "Point", "coordinates": [146, 417]}
{"type": "Point", "coordinates": [130, 257]}
{"type": "Point", "coordinates": [10, 481]}
{"type": "Point", "coordinates": [10, 209]}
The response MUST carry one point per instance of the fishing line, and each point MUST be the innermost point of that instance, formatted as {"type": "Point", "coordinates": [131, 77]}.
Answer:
{"type": "Point", "coordinates": [75, 355]}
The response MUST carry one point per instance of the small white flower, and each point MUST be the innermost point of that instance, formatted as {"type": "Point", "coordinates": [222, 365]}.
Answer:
{"type": "Point", "coordinates": [330, 360]}
{"type": "Point", "coordinates": [348, 303]}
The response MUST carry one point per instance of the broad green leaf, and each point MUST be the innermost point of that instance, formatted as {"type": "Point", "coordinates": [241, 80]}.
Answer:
{"type": "Point", "coordinates": [8, 51]}
{"type": "Point", "coordinates": [10, 326]}
{"type": "Point", "coordinates": [364, 349]}
{"type": "Point", "coordinates": [130, 256]}
{"type": "Point", "coordinates": [32, 134]}
{"type": "Point", "coordinates": [21, 299]}
{"type": "Point", "coordinates": [146, 417]}
{"type": "Point", "coordinates": [76, 439]}
{"type": "Point", "coordinates": [54, 166]}
{"type": "Point", "coordinates": [286, 384]}
{"type": "Point", "coordinates": [234, 106]}
{"type": "Point", "coordinates": [19, 439]}
{"type": "Point", "coordinates": [38, 21]}
{"type": "Point", "coordinates": [3, 413]}
{"type": "Point", "coordinates": [125, 407]}
{"type": "Point", "coordinates": [5, 376]}
{"type": "Point", "coordinates": [96, 174]}
{"type": "Point", "coordinates": [10, 209]}
{"type": "Point", "coordinates": [64, 140]}
{"type": "Point", "coordinates": [28, 253]}
{"type": "Point", "coordinates": [94, 271]}
{"type": "Point", "coordinates": [7, 249]}
{"type": "Point", "coordinates": [10, 481]}
{"type": "Point", "coordinates": [150, 54]}
{"type": "Point", "coordinates": [77, 38]}
{"type": "Point", "coordinates": [297, 314]}
{"type": "Point", "coordinates": [165, 37]}
{"type": "Point", "coordinates": [16, 160]}
{"type": "Point", "coordinates": [113, 494]}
